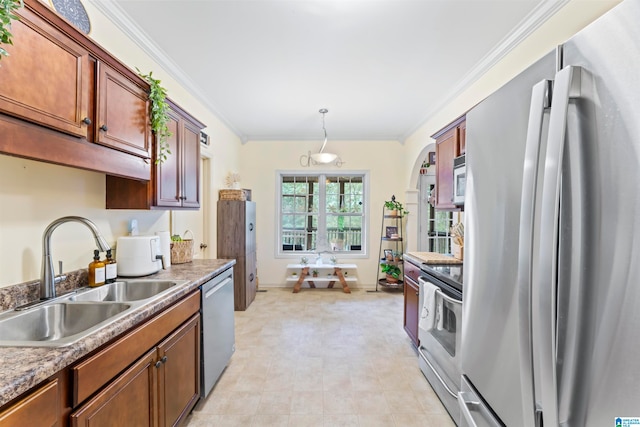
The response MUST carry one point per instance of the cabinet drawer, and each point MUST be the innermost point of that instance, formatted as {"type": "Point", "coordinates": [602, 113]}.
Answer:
{"type": "Point", "coordinates": [411, 271]}
{"type": "Point", "coordinates": [39, 408]}
{"type": "Point", "coordinates": [96, 371]}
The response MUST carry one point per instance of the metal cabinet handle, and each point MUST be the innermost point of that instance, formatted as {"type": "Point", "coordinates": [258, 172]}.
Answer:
{"type": "Point", "coordinates": [86, 121]}
{"type": "Point", "coordinates": [104, 128]}
{"type": "Point", "coordinates": [158, 364]}
{"type": "Point", "coordinates": [164, 359]}
{"type": "Point", "coordinates": [251, 277]}
{"type": "Point", "coordinates": [250, 226]}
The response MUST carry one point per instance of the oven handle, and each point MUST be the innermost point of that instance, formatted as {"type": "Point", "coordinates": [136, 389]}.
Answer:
{"type": "Point", "coordinates": [424, 357]}
{"type": "Point", "coordinates": [444, 296]}
{"type": "Point", "coordinates": [448, 298]}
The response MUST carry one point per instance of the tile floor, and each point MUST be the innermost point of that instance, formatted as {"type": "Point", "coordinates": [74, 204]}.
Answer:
{"type": "Point", "coordinates": [322, 358]}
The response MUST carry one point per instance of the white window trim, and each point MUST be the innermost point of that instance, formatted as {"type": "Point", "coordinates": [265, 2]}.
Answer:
{"type": "Point", "coordinates": [279, 253]}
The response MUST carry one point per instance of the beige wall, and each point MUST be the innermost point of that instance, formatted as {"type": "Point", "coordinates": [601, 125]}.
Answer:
{"type": "Point", "coordinates": [33, 194]}
{"type": "Point", "coordinates": [262, 159]}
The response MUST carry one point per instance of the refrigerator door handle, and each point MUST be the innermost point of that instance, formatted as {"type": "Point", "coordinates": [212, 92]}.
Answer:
{"type": "Point", "coordinates": [567, 86]}
{"type": "Point", "coordinates": [540, 102]}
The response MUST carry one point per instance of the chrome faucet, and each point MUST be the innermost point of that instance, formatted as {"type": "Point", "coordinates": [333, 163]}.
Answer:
{"type": "Point", "coordinates": [47, 278]}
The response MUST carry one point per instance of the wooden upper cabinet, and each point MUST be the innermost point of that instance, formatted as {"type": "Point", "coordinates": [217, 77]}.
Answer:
{"type": "Point", "coordinates": [46, 77]}
{"type": "Point", "coordinates": [122, 116]}
{"type": "Point", "coordinates": [450, 143]}
{"type": "Point", "coordinates": [191, 165]}
{"type": "Point", "coordinates": [175, 183]}
{"type": "Point", "coordinates": [178, 177]}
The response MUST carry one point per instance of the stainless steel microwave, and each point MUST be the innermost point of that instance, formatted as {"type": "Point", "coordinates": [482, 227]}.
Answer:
{"type": "Point", "coordinates": [459, 180]}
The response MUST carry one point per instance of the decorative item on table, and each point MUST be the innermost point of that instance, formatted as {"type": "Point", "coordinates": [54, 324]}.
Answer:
{"type": "Point", "coordinates": [315, 273]}
{"type": "Point", "coordinates": [304, 260]}
{"type": "Point", "coordinates": [181, 248]}
{"type": "Point", "coordinates": [333, 260]}
{"type": "Point", "coordinates": [232, 180]}
{"type": "Point", "coordinates": [457, 234]}
{"type": "Point", "coordinates": [392, 232]}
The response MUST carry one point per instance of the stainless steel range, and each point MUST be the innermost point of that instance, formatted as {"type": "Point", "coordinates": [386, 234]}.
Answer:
{"type": "Point", "coordinates": [440, 299]}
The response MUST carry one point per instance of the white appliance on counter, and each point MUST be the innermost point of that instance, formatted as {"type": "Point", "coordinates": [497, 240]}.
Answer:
{"type": "Point", "coordinates": [138, 255]}
{"type": "Point", "coordinates": [550, 316]}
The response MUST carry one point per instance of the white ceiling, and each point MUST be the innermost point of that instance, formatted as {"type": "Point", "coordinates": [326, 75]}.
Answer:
{"type": "Point", "coordinates": [381, 67]}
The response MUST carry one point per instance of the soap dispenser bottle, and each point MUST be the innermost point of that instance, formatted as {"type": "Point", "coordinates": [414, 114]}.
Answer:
{"type": "Point", "coordinates": [97, 271]}
{"type": "Point", "coordinates": [111, 268]}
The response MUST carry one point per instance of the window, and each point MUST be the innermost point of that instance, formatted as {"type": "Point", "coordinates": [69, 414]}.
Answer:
{"type": "Point", "coordinates": [439, 226]}
{"type": "Point", "coordinates": [321, 212]}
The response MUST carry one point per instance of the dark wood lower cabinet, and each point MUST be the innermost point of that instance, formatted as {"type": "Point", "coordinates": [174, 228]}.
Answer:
{"type": "Point", "coordinates": [160, 389]}
{"type": "Point", "coordinates": [39, 408]}
{"type": "Point", "coordinates": [179, 374]}
{"type": "Point", "coordinates": [411, 301]}
{"type": "Point", "coordinates": [129, 400]}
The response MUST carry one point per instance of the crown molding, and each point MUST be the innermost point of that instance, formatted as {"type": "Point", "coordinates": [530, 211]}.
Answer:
{"type": "Point", "coordinates": [534, 20]}
{"type": "Point", "coordinates": [121, 20]}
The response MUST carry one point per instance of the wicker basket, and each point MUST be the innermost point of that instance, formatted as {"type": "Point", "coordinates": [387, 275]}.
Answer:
{"type": "Point", "coordinates": [182, 252]}
{"type": "Point", "coordinates": [242, 195]}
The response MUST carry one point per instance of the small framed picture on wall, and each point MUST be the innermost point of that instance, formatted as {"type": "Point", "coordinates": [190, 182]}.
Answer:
{"type": "Point", "coordinates": [432, 157]}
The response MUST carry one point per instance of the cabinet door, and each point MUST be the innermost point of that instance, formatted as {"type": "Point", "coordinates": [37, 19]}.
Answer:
{"type": "Point", "coordinates": [411, 309]}
{"type": "Point", "coordinates": [168, 172]}
{"type": "Point", "coordinates": [127, 401]}
{"type": "Point", "coordinates": [122, 119]}
{"type": "Point", "coordinates": [39, 408]}
{"type": "Point", "coordinates": [179, 373]}
{"type": "Point", "coordinates": [190, 174]}
{"type": "Point", "coordinates": [462, 143]}
{"type": "Point", "coordinates": [46, 78]}
{"type": "Point", "coordinates": [445, 153]}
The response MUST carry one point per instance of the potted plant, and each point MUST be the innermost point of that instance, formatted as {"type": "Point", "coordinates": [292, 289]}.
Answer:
{"type": "Point", "coordinates": [159, 114]}
{"type": "Point", "coordinates": [392, 272]}
{"type": "Point", "coordinates": [315, 273]}
{"type": "Point", "coordinates": [7, 9]}
{"type": "Point", "coordinates": [394, 207]}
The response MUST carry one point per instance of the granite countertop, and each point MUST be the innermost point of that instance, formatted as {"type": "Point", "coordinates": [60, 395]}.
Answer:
{"type": "Point", "coordinates": [432, 258]}
{"type": "Point", "coordinates": [22, 368]}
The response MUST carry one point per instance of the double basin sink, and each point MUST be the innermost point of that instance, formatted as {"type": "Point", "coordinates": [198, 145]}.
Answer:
{"type": "Point", "coordinates": [69, 318]}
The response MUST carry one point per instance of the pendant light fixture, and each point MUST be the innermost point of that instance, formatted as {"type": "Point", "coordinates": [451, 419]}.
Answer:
{"type": "Point", "coordinates": [321, 157]}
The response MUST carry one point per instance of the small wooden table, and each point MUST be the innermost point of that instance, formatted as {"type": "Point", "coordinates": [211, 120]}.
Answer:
{"type": "Point", "coordinates": [337, 274]}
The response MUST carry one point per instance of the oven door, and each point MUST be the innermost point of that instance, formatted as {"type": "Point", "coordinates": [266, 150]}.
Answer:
{"type": "Point", "coordinates": [439, 351]}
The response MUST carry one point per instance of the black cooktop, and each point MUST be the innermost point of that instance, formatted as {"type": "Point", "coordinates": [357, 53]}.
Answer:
{"type": "Point", "coordinates": [448, 273]}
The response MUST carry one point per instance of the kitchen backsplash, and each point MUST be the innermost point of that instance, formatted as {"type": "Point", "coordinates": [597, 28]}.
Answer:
{"type": "Point", "coordinates": [23, 293]}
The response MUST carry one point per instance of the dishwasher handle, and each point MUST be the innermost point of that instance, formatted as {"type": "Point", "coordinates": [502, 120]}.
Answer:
{"type": "Point", "coordinates": [216, 288]}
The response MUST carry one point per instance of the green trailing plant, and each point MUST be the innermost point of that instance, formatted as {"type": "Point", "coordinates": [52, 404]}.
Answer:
{"type": "Point", "coordinates": [391, 270]}
{"type": "Point", "coordinates": [7, 9]}
{"type": "Point", "coordinates": [393, 205]}
{"type": "Point", "coordinates": [159, 114]}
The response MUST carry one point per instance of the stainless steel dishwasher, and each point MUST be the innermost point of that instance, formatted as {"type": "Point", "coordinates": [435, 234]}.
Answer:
{"type": "Point", "coordinates": [218, 329]}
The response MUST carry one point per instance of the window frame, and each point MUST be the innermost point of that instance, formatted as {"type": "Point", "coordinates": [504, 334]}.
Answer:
{"type": "Point", "coordinates": [323, 244]}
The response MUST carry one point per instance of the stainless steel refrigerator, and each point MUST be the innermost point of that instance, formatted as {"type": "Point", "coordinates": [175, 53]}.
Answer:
{"type": "Point", "coordinates": [551, 312]}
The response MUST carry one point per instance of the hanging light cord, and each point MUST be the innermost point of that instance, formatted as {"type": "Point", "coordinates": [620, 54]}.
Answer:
{"type": "Point", "coordinates": [323, 111]}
